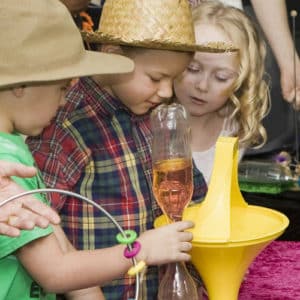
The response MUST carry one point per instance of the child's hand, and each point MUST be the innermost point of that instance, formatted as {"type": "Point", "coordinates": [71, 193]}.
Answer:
{"type": "Point", "coordinates": [166, 244]}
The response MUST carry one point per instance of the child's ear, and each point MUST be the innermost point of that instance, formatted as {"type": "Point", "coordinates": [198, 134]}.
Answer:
{"type": "Point", "coordinates": [18, 91]}
{"type": "Point", "coordinates": [116, 49]}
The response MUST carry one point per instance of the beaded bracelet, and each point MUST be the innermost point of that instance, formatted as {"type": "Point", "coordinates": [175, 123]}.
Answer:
{"type": "Point", "coordinates": [130, 239]}
{"type": "Point", "coordinates": [136, 247]}
{"type": "Point", "coordinates": [137, 268]}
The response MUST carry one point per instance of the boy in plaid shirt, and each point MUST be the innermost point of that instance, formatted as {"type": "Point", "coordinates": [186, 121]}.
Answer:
{"type": "Point", "coordinates": [99, 143]}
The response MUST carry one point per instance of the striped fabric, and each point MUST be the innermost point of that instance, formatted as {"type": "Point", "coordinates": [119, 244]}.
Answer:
{"type": "Point", "coordinates": [97, 148]}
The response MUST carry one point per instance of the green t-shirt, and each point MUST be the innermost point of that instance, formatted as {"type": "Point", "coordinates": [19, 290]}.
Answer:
{"type": "Point", "coordinates": [15, 282]}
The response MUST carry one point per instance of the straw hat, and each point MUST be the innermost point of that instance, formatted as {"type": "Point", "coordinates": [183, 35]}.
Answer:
{"type": "Point", "coordinates": [155, 24]}
{"type": "Point", "coordinates": [40, 42]}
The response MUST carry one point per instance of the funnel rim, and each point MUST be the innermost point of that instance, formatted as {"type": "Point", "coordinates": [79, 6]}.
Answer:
{"type": "Point", "coordinates": [234, 243]}
{"type": "Point", "coordinates": [272, 234]}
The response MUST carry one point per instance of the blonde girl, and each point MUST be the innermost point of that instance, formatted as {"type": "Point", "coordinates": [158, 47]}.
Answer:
{"type": "Point", "coordinates": [226, 93]}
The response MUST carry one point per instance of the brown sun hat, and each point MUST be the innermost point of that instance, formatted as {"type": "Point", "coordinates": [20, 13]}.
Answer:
{"type": "Point", "coordinates": [155, 24]}
{"type": "Point", "coordinates": [40, 42]}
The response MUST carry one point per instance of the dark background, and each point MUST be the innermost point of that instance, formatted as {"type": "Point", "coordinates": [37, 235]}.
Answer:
{"type": "Point", "coordinates": [281, 136]}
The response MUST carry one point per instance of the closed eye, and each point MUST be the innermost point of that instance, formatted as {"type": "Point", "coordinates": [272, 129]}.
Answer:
{"type": "Point", "coordinates": [155, 79]}
{"type": "Point", "coordinates": [193, 70]}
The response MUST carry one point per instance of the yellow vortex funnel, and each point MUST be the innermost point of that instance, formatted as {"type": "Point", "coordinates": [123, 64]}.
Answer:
{"type": "Point", "coordinates": [228, 233]}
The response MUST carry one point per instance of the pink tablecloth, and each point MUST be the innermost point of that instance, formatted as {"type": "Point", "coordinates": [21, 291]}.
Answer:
{"type": "Point", "coordinates": [274, 274]}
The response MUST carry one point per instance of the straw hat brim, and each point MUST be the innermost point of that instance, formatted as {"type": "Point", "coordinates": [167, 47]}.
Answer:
{"type": "Point", "coordinates": [90, 63]}
{"type": "Point", "coordinates": [103, 38]}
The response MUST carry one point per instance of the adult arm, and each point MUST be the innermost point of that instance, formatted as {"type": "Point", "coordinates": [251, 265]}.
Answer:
{"type": "Point", "coordinates": [273, 18]}
{"type": "Point", "coordinates": [25, 212]}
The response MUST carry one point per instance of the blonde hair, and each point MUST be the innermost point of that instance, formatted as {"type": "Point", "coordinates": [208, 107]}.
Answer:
{"type": "Point", "coordinates": [250, 101]}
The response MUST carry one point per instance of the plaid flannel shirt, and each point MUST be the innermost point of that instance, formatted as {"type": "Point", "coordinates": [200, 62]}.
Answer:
{"type": "Point", "coordinates": [97, 148]}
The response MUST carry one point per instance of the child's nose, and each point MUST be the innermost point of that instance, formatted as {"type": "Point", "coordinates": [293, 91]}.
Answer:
{"type": "Point", "coordinates": [165, 89]}
{"type": "Point", "coordinates": [202, 83]}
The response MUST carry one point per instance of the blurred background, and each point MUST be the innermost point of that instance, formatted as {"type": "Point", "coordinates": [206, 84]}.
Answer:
{"type": "Point", "coordinates": [280, 121]}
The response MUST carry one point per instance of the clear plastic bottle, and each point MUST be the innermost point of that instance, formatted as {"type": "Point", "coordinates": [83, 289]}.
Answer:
{"type": "Point", "coordinates": [177, 284]}
{"type": "Point", "coordinates": [172, 159]}
{"type": "Point", "coordinates": [173, 186]}
{"type": "Point", "coordinates": [268, 172]}
{"type": "Point", "coordinates": [262, 172]}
